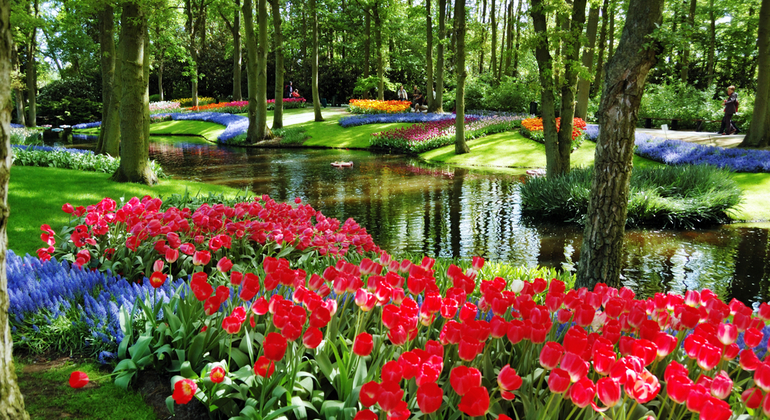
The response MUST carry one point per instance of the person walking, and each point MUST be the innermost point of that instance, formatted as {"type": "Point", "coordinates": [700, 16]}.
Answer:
{"type": "Point", "coordinates": [289, 90]}
{"type": "Point", "coordinates": [402, 93]}
{"type": "Point", "coordinates": [731, 107]}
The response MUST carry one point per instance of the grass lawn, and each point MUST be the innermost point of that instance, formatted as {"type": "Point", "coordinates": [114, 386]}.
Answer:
{"type": "Point", "coordinates": [36, 195]}
{"type": "Point", "coordinates": [330, 134]}
{"type": "Point", "coordinates": [210, 131]}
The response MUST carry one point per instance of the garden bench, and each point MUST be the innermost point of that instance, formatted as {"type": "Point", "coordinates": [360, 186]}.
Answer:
{"type": "Point", "coordinates": [675, 122]}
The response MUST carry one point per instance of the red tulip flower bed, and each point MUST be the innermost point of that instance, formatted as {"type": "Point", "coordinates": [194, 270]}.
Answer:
{"type": "Point", "coordinates": [346, 336]}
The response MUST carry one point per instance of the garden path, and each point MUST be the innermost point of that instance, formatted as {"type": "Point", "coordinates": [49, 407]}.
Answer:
{"type": "Point", "coordinates": [699, 137]}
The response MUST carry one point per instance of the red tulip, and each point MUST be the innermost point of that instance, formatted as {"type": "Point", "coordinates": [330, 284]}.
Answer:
{"type": "Point", "coordinates": [721, 386]}
{"type": "Point", "coordinates": [171, 255]}
{"type": "Point", "coordinates": [644, 388]}
{"type": "Point", "coordinates": [468, 312]}
{"type": "Point", "coordinates": [715, 409]}
{"type": "Point", "coordinates": [320, 317]}
{"type": "Point", "coordinates": [697, 398]}
{"type": "Point", "coordinates": [752, 337]}
{"type": "Point", "coordinates": [217, 374]}
{"type": "Point", "coordinates": [398, 335]}
{"type": "Point", "coordinates": [766, 405]}
{"type": "Point", "coordinates": [392, 372]}
{"type": "Point", "coordinates": [752, 397]}
{"type": "Point", "coordinates": [727, 333]}
{"type": "Point", "coordinates": [366, 414]}
{"type": "Point", "coordinates": [369, 393]}
{"type": "Point", "coordinates": [78, 379]}
{"type": "Point", "coordinates": [558, 381]}
{"type": "Point", "coordinates": [678, 388]}
{"type": "Point", "coordinates": [429, 397]}
{"type": "Point", "coordinates": [475, 402]}
{"type": "Point", "coordinates": [749, 360]}
{"type": "Point", "coordinates": [410, 364]}
{"type": "Point", "coordinates": [363, 344]}
{"type": "Point", "coordinates": [584, 315]}
{"type": "Point", "coordinates": [184, 391]}
{"type": "Point", "coordinates": [582, 392]}
{"type": "Point", "coordinates": [709, 356]}
{"type": "Point", "coordinates": [575, 340]}
{"type": "Point", "coordinates": [201, 258]}
{"type": "Point", "coordinates": [312, 337]}
{"type": "Point", "coordinates": [157, 279]}
{"type": "Point", "coordinates": [224, 265]}
{"type": "Point", "coordinates": [762, 376]}
{"type": "Point", "coordinates": [469, 349]}
{"type": "Point", "coordinates": [575, 366]}
{"type": "Point", "coordinates": [551, 355]}
{"type": "Point", "coordinates": [674, 369]}
{"type": "Point", "coordinates": [645, 350]}
{"type": "Point", "coordinates": [427, 373]}
{"type": "Point", "coordinates": [274, 346]}
{"type": "Point", "coordinates": [604, 359]}
{"type": "Point", "coordinates": [399, 412]}
{"type": "Point", "coordinates": [390, 395]}
{"type": "Point", "coordinates": [231, 324]}
{"type": "Point", "coordinates": [608, 391]}
{"type": "Point", "coordinates": [666, 344]}
{"type": "Point", "coordinates": [508, 379]}
{"type": "Point", "coordinates": [463, 379]}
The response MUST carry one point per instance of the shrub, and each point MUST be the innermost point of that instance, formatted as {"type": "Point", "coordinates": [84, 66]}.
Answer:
{"type": "Point", "coordinates": [26, 136]}
{"type": "Point", "coordinates": [82, 160]}
{"type": "Point", "coordinates": [673, 196]}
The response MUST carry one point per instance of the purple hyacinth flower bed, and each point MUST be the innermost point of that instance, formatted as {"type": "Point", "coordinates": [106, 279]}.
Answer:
{"type": "Point", "coordinates": [356, 120]}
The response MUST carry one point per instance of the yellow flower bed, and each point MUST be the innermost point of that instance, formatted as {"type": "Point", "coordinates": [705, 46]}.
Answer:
{"type": "Point", "coordinates": [370, 106]}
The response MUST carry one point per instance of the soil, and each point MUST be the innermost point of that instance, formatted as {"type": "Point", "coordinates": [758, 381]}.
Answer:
{"type": "Point", "coordinates": [152, 386]}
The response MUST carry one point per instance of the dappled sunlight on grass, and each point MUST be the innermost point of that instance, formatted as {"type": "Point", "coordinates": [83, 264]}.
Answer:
{"type": "Point", "coordinates": [206, 129]}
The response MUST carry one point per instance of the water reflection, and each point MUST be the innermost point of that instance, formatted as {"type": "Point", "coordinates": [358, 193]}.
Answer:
{"type": "Point", "coordinates": [409, 206]}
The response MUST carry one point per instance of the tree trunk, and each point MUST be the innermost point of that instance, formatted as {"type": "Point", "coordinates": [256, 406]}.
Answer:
{"type": "Point", "coordinates": [32, 77]}
{"type": "Point", "coordinates": [367, 46]}
{"type": "Point", "coordinates": [684, 74]}
{"type": "Point", "coordinates": [160, 80]}
{"type": "Point", "coordinates": [109, 134]}
{"type": "Point", "coordinates": [759, 131]}
{"type": "Point", "coordinates": [134, 103]}
{"type": "Point", "coordinates": [493, 16]}
{"type": "Point", "coordinates": [712, 45]}
{"type": "Point", "coordinates": [429, 57]}
{"type": "Point", "coordinates": [460, 145]}
{"type": "Point", "coordinates": [237, 53]}
{"type": "Point", "coordinates": [262, 132]}
{"type": "Point", "coordinates": [440, 56]}
{"type": "Point", "coordinates": [251, 69]}
{"type": "Point", "coordinates": [584, 86]}
{"type": "Point", "coordinates": [17, 85]}
{"type": "Point", "coordinates": [611, 36]}
{"type": "Point", "coordinates": [518, 44]}
{"type": "Point", "coordinates": [601, 252]}
{"type": "Point", "coordinates": [279, 70]}
{"type": "Point", "coordinates": [503, 43]}
{"type": "Point", "coordinates": [572, 52]}
{"type": "Point", "coordinates": [509, 39]}
{"type": "Point", "coordinates": [483, 36]}
{"type": "Point", "coordinates": [11, 399]}
{"type": "Point", "coordinates": [602, 47]}
{"type": "Point", "coordinates": [378, 46]}
{"type": "Point", "coordinates": [314, 60]}
{"type": "Point", "coordinates": [545, 70]}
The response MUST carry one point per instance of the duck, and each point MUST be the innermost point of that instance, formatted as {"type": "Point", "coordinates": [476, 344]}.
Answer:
{"type": "Point", "coordinates": [339, 164]}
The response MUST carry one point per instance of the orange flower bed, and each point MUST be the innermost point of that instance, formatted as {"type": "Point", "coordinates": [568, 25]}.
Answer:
{"type": "Point", "coordinates": [536, 124]}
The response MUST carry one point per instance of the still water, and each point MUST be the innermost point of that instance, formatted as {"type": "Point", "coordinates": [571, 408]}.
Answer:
{"type": "Point", "coordinates": [407, 205]}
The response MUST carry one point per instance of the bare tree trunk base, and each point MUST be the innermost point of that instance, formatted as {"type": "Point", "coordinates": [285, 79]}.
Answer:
{"type": "Point", "coordinates": [147, 177]}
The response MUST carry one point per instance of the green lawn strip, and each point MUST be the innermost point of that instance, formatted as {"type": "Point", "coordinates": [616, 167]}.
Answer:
{"type": "Point", "coordinates": [208, 130]}
{"type": "Point", "coordinates": [756, 200]}
{"type": "Point", "coordinates": [330, 134]}
{"type": "Point", "coordinates": [47, 394]}
{"type": "Point", "coordinates": [36, 195]}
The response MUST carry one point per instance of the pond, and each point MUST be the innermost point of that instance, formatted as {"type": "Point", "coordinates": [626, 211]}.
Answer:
{"type": "Point", "coordinates": [410, 206]}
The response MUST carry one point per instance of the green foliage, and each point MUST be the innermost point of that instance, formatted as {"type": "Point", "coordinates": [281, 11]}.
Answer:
{"type": "Point", "coordinates": [290, 135]}
{"type": "Point", "coordinates": [78, 161]}
{"type": "Point", "coordinates": [372, 83]}
{"type": "Point", "coordinates": [672, 196]}
{"type": "Point", "coordinates": [70, 101]}
{"type": "Point", "coordinates": [509, 94]}
{"type": "Point", "coordinates": [26, 136]}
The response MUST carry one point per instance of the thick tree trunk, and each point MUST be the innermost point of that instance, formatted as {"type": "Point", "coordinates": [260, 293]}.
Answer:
{"type": "Point", "coordinates": [440, 56]}
{"type": "Point", "coordinates": [134, 103]}
{"type": "Point", "coordinates": [11, 400]}
{"type": "Point", "coordinates": [378, 46]}
{"type": "Point", "coordinates": [279, 70]}
{"type": "Point", "coordinates": [32, 80]}
{"type": "Point", "coordinates": [712, 45]}
{"type": "Point", "coordinates": [429, 56]}
{"type": "Point", "coordinates": [601, 252]}
{"type": "Point", "coordinates": [17, 86]}
{"type": "Point", "coordinates": [572, 52]}
{"type": "Point", "coordinates": [518, 37]}
{"type": "Point", "coordinates": [251, 69]}
{"type": "Point", "coordinates": [493, 17]}
{"type": "Point", "coordinates": [262, 132]}
{"type": "Point", "coordinates": [109, 135]}
{"type": "Point", "coordinates": [759, 131]}
{"type": "Point", "coordinates": [483, 36]}
{"type": "Point", "coordinates": [602, 48]}
{"type": "Point", "coordinates": [237, 53]}
{"type": "Point", "coordinates": [314, 60]}
{"type": "Point", "coordinates": [545, 70]}
{"type": "Point", "coordinates": [684, 74]}
{"type": "Point", "coordinates": [460, 145]}
{"type": "Point", "coordinates": [584, 85]}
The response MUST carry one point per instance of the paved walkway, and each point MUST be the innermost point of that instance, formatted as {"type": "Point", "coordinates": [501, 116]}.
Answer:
{"type": "Point", "coordinates": [699, 137]}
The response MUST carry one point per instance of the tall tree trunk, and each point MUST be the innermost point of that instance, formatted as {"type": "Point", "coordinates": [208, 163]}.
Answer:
{"type": "Point", "coordinates": [684, 74]}
{"type": "Point", "coordinates": [584, 85]}
{"type": "Point", "coordinates": [314, 60]}
{"type": "Point", "coordinates": [611, 36]}
{"type": "Point", "coordinates": [32, 74]}
{"type": "Point", "coordinates": [11, 399]}
{"type": "Point", "coordinates": [493, 17]}
{"type": "Point", "coordinates": [160, 79]}
{"type": "Point", "coordinates": [460, 145]}
{"type": "Point", "coordinates": [429, 56]}
{"type": "Point", "coordinates": [440, 56]}
{"type": "Point", "coordinates": [109, 135]}
{"type": "Point", "coordinates": [759, 131]}
{"type": "Point", "coordinates": [279, 70]}
{"type": "Point", "coordinates": [712, 45]}
{"type": "Point", "coordinates": [262, 132]}
{"type": "Point", "coordinates": [134, 104]}
{"type": "Point", "coordinates": [506, 18]}
{"type": "Point", "coordinates": [545, 70]}
{"type": "Point", "coordinates": [483, 36]}
{"type": "Point", "coordinates": [602, 48]}
{"type": "Point", "coordinates": [509, 39]}
{"type": "Point", "coordinates": [251, 68]}
{"type": "Point", "coordinates": [17, 84]}
{"type": "Point", "coordinates": [601, 253]}
{"type": "Point", "coordinates": [367, 45]}
{"type": "Point", "coordinates": [572, 53]}
{"type": "Point", "coordinates": [237, 53]}
{"type": "Point", "coordinates": [378, 46]}
{"type": "Point", "coordinates": [518, 36]}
